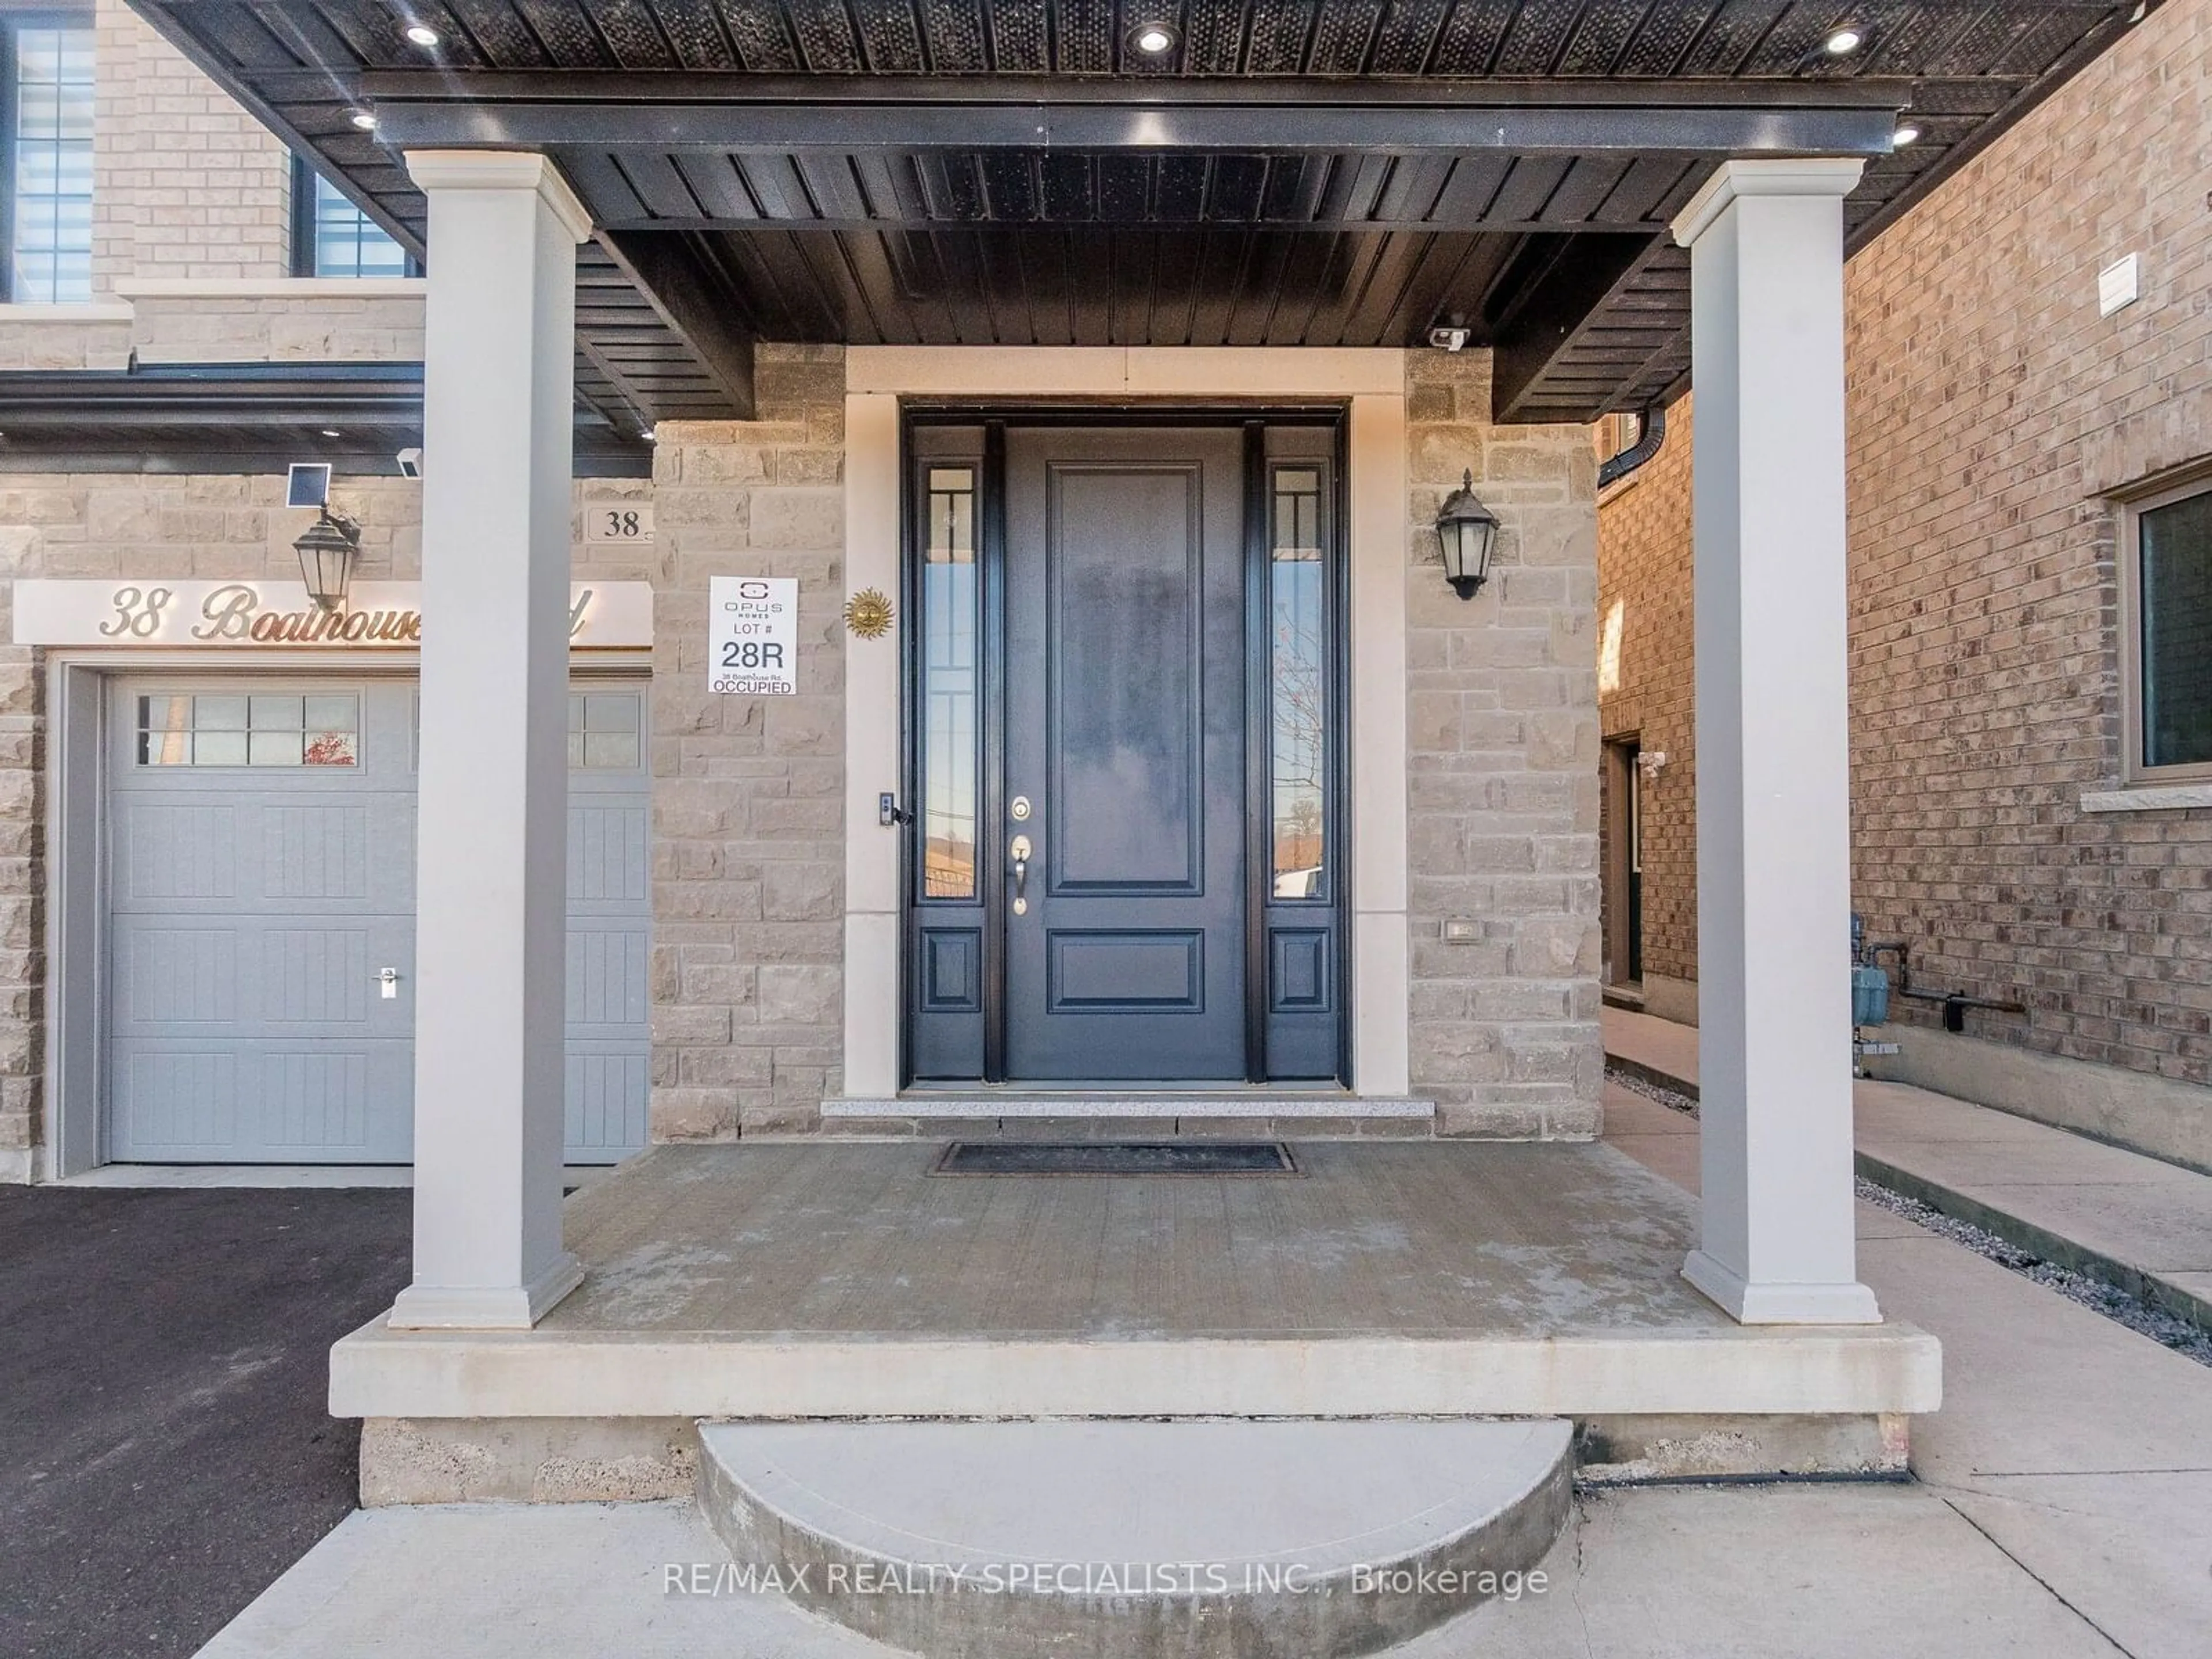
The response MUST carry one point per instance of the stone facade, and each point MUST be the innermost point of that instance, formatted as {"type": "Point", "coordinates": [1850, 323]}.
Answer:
{"type": "Point", "coordinates": [1501, 763]}
{"type": "Point", "coordinates": [748, 833]}
{"type": "Point", "coordinates": [191, 264]}
{"type": "Point", "coordinates": [748, 836]}
{"type": "Point", "coordinates": [327, 321]}
{"type": "Point", "coordinates": [1995, 417]}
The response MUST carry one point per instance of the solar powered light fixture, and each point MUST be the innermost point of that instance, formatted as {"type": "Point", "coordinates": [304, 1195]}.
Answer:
{"type": "Point", "coordinates": [1468, 531]}
{"type": "Point", "coordinates": [329, 547]}
{"type": "Point", "coordinates": [328, 551]}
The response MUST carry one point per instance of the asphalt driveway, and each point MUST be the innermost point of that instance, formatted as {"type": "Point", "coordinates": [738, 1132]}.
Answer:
{"type": "Point", "coordinates": [164, 1452]}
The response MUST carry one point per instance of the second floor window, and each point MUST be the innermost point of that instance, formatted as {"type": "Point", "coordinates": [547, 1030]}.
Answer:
{"type": "Point", "coordinates": [331, 237]}
{"type": "Point", "coordinates": [48, 128]}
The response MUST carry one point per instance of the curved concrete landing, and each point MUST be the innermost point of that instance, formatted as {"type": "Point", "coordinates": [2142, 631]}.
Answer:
{"type": "Point", "coordinates": [1097, 1540]}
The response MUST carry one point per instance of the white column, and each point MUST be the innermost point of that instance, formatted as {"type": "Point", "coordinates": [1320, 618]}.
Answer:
{"type": "Point", "coordinates": [492, 823]}
{"type": "Point", "coordinates": [873, 691]}
{"type": "Point", "coordinates": [1766, 260]}
{"type": "Point", "coordinates": [1381, 948]}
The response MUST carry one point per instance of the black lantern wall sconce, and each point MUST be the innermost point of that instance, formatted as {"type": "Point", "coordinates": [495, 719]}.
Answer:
{"type": "Point", "coordinates": [328, 550]}
{"type": "Point", "coordinates": [1469, 532]}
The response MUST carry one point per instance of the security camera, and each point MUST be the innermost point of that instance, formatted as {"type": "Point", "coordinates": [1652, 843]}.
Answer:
{"type": "Point", "coordinates": [410, 463]}
{"type": "Point", "coordinates": [1450, 338]}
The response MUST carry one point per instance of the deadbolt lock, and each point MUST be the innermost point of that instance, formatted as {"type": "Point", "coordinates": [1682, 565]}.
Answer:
{"type": "Point", "coordinates": [1018, 809]}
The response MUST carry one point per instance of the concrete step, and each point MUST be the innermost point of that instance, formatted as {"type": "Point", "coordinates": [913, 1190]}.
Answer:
{"type": "Point", "coordinates": [1096, 1540]}
{"type": "Point", "coordinates": [1080, 1115]}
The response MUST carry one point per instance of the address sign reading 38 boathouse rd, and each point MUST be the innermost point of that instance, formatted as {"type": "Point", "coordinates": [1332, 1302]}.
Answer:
{"type": "Point", "coordinates": [752, 637]}
{"type": "Point", "coordinates": [187, 612]}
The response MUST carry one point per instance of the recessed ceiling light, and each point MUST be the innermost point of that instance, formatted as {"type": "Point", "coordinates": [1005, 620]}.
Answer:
{"type": "Point", "coordinates": [364, 120]}
{"type": "Point", "coordinates": [1906, 133]}
{"type": "Point", "coordinates": [1843, 42]}
{"type": "Point", "coordinates": [331, 432]}
{"type": "Point", "coordinates": [1152, 39]}
{"type": "Point", "coordinates": [423, 34]}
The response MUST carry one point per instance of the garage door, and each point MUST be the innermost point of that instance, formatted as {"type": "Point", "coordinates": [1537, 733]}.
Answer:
{"type": "Point", "coordinates": [261, 880]}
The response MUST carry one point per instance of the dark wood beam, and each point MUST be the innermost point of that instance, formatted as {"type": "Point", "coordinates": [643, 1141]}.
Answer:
{"type": "Point", "coordinates": [695, 303]}
{"type": "Point", "coordinates": [1028, 91]}
{"type": "Point", "coordinates": [1556, 300]}
{"type": "Point", "coordinates": [853, 127]}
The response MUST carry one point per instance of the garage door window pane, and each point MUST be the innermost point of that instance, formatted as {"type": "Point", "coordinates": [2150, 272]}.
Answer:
{"type": "Point", "coordinates": [331, 736]}
{"type": "Point", "coordinates": [606, 730]}
{"type": "Point", "coordinates": [165, 731]}
{"type": "Point", "coordinates": [230, 730]}
{"type": "Point", "coordinates": [273, 748]}
{"type": "Point", "coordinates": [218, 749]}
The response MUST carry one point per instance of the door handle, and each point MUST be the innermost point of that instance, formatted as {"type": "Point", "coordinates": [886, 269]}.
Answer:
{"type": "Point", "coordinates": [387, 982]}
{"type": "Point", "coordinates": [1020, 849]}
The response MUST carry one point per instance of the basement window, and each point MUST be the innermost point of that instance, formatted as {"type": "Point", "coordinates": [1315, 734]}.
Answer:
{"type": "Point", "coordinates": [2167, 560]}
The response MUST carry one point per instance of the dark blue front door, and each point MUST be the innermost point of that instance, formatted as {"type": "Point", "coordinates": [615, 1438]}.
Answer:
{"type": "Point", "coordinates": [1125, 737]}
{"type": "Point", "coordinates": [1123, 863]}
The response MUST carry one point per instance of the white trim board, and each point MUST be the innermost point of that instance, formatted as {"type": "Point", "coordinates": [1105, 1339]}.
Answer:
{"type": "Point", "coordinates": [1371, 383]}
{"type": "Point", "coordinates": [272, 288]}
{"type": "Point", "coordinates": [1190, 373]}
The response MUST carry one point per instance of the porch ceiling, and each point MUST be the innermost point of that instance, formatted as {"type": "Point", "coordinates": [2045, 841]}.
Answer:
{"type": "Point", "coordinates": [1315, 172]}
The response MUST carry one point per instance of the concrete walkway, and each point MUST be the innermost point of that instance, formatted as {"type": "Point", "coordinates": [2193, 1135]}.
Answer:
{"type": "Point", "coordinates": [2064, 1508]}
{"type": "Point", "coordinates": [2076, 1450]}
{"type": "Point", "coordinates": [2131, 1221]}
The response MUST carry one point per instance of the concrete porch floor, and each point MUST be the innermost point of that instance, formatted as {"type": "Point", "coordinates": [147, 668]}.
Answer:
{"type": "Point", "coordinates": [838, 1279]}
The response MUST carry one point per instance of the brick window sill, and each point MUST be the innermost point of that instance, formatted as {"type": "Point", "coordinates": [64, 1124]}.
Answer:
{"type": "Point", "coordinates": [2147, 798]}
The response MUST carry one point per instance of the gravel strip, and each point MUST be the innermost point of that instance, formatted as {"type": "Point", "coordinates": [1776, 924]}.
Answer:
{"type": "Point", "coordinates": [2117, 1305]}
{"type": "Point", "coordinates": [1673, 1099]}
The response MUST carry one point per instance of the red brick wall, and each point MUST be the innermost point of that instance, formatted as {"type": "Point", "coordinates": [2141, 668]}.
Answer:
{"type": "Point", "coordinates": [1644, 568]}
{"type": "Point", "coordinates": [1992, 415]}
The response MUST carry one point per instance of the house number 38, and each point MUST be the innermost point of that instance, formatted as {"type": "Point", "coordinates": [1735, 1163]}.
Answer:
{"type": "Point", "coordinates": [620, 524]}
{"type": "Point", "coordinates": [137, 612]}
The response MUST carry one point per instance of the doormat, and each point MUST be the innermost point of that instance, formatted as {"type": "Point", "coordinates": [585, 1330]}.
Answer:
{"type": "Point", "coordinates": [1106, 1158]}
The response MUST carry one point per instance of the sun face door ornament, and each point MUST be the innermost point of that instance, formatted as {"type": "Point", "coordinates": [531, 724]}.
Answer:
{"type": "Point", "coordinates": [868, 614]}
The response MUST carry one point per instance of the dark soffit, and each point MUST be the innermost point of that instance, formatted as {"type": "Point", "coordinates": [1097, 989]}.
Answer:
{"type": "Point", "coordinates": [1965, 68]}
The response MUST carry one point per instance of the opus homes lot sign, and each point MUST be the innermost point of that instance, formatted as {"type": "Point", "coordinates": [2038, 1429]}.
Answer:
{"type": "Point", "coordinates": [377, 615]}
{"type": "Point", "coordinates": [752, 637]}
